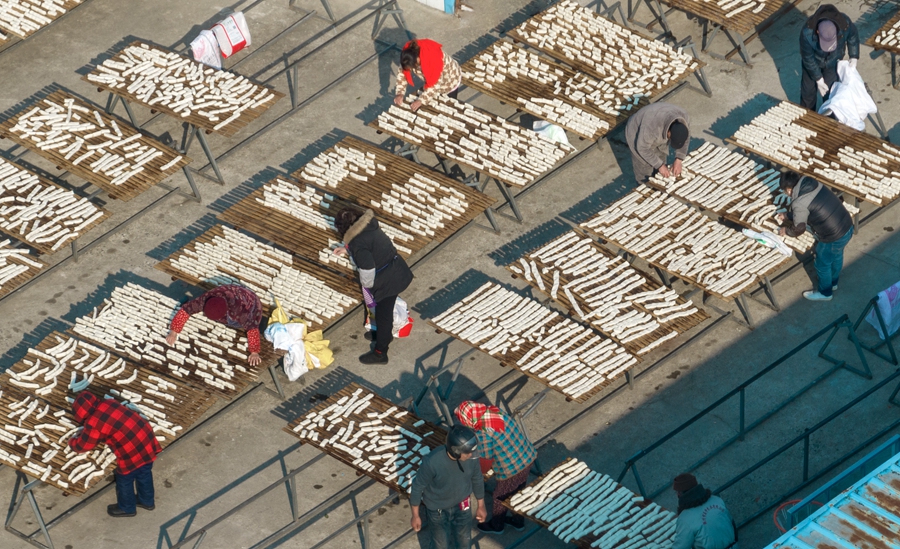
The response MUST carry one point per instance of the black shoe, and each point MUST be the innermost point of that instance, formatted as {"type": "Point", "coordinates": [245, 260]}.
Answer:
{"type": "Point", "coordinates": [374, 357]}
{"type": "Point", "coordinates": [370, 336]}
{"type": "Point", "coordinates": [516, 521]}
{"type": "Point", "coordinates": [114, 511]}
{"type": "Point", "coordinates": [488, 527]}
{"type": "Point", "coordinates": [147, 507]}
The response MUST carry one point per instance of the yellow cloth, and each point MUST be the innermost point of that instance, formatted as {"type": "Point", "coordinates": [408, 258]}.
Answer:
{"type": "Point", "coordinates": [318, 354]}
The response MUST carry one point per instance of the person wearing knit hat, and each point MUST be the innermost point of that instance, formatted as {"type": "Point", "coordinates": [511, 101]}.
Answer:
{"type": "Point", "coordinates": [505, 449]}
{"type": "Point", "coordinates": [229, 304]}
{"type": "Point", "coordinates": [823, 40]}
{"type": "Point", "coordinates": [427, 60]}
{"type": "Point", "coordinates": [649, 134]}
{"type": "Point", "coordinates": [703, 521]}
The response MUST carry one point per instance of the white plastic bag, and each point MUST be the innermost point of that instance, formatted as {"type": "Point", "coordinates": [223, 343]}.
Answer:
{"type": "Point", "coordinates": [402, 321]}
{"type": "Point", "coordinates": [889, 307]}
{"type": "Point", "coordinates": [289, 337]}
{"type": "Point", "coordinates": [550, 132]}
{"type": "Point", "coordinates": [849, 100]}
{"type": "Point", "coordinates": [205, 49]}
{"type": "Point", "coordinates": [770, 240]}
{"type": "Point", "coordinates": [232, 34]}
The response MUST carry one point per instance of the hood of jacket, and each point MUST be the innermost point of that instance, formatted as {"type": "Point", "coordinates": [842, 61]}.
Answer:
{"type": "Point", "coordinates": [828, 11]}
{"type": "Point", "coordinates": [84, 405]}
{"type": "Point", "coordinates": [806, 186]}
{"type": "Point", "coordinates": [365, 223]}
{"type": "Point", "coordinates": [695, 497]}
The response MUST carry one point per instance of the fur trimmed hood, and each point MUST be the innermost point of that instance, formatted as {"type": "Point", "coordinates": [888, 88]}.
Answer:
{"type": "Point", "coordinates": [361, 225]}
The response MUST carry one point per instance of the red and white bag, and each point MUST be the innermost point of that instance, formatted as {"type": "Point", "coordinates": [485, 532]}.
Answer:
{"type": "Point", "coordinates": [232, 34]}
{"type": "Point", "coordinates": [403, 323]}
{"type": "Point", "coordinates": [206, 50]}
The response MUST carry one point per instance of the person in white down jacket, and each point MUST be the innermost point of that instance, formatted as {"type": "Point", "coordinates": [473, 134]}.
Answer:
{"type": "Point", "coordinates": [703, 521]}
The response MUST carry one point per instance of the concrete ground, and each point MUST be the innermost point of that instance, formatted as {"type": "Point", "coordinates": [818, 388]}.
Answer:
{"type": "Point", "coordinates": [243, 449]}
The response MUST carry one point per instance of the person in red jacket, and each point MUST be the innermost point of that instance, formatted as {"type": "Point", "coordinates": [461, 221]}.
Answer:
{"type": "Point", "coordinates": [427, 60]}
{"type": "Point", "coordinates": [131, 439]}
{"type": "Point", "coordinates": [230, 304]}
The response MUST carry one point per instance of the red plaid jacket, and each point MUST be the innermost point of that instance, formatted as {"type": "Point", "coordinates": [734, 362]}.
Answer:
{"type": "Point", "coordinates": [127, 434]}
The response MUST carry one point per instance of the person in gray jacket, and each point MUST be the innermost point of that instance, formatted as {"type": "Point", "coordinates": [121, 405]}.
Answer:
{"type": "Point", "coordinates": [650, 132]}
{"type": "Point", "coordinates": [703, 521]}
{"type": "Point", "coordinates": [813, 205]}
{"type": "Point", "coordinates": [439, 499]}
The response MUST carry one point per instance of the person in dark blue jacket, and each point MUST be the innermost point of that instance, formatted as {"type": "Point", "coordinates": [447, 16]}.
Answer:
{"type": "Point", "coordinates": [823, 40]}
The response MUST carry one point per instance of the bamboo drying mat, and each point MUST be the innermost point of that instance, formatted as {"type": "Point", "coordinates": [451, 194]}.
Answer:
{"type": "Point", "coordinates": [377, 404]}
{"type": "Point", "coordinates": [742, 23]}
{"type": "Point", "coordinates": [190, 402]}
{"type": "Point", "coordinates": [247, 115]}
{"type": "Point", "coordinates": [511, 359]}
{"type": "Point", "coordinates": [45, 247]}
{"type": "Point", "coordinates": [334, 281]}
{"type": "Point", "coordinates": [513, 89]}
{"type": "Point", "coordinates": [517, 36]}
{"type": "Point", "coordinates": [584, 542]}
{"type": "Point", "coordinates": [399, 171]}
{"type": "Point", "coordinates": [830, 136]}
{"type": "Point", "coordinates": [10, 285]}
{"type": "Point", "coordinates": [430, 144]}
{"type": "Point", "coordinates": [687, 279]}
{"type": "Point", "coordinates": [873, 41]}
{"type": "Point", "coordinates": [680, 325]}
{"type": "Point", "coordinates": [14, 394]}
{"type": "Point", "coordinates": [135, 185]}
{"type": "Point", "coordinates": [67, 5]}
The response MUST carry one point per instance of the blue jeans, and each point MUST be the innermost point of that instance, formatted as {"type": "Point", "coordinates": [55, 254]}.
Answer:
{"type": "Point", "coordinates": [445, 528]}
{"type": "Point", "coordinates": [142, 477]}
{"type": "Point", "coordinates": [829, 260]}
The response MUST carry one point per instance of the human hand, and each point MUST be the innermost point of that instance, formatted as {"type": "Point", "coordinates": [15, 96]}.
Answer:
{"type": "Point", "coordinates": [664, 171]}
{"type": "Point", "coordinates": [853, 63]}
{"type": "Point", "coordinates": [481, 512]}
{"type": "Point", "coordinates": [823, 88]}
{"type": "Point", "coordinates": [780, 217]}
{"type": "Point", "coordinates": [416, 523]}
{"type": "Point", "coordinates": [254, 359]}
{"type": "Point", "coordinates": [782, 231]}
{"type": "Point", "coordinates": [340, 251]}
{"type": "Point", "coordinates": [171, 337]}
{"type": "Point", "coordinates": [676, 167]}
{"type": "Point", "coordinates": [398, 99]}
{"type": "Point", "coordinates": [415, 105]}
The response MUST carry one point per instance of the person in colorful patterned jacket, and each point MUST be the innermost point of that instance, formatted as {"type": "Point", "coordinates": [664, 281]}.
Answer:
{"type": "Point", "coordinates": [230, 304]}
{"type": "Point", "coordinates": [131, 439]}
{"type": "Point", "coordinates": [427, 60]}
{"type": "Point", "coordinates": [503, 442]}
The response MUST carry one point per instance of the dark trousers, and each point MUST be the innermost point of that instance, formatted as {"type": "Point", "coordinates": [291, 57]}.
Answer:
{"type": "Point", "coordinates": [142, 478]}
{"type": "Point", "coordinates": [445, 528]}
{"type": "Point", "coordinates": [829, 261]}
{"type": "Point", "coordinates": [384, 323]}
{"type": "Point", "coordinates": [809, 94]}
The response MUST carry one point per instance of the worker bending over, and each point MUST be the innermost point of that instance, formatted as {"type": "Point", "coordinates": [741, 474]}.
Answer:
{"type": "Point", "coordinates": [823, 40]}
{"type": "Point", "coordinates": [229, 304]}
{"type": "Point", "coordinates": [130, 438]}
{"type": "Point", "coordinates": [649, 134]}
{"type": "Point", "coordinates": [427, 60]}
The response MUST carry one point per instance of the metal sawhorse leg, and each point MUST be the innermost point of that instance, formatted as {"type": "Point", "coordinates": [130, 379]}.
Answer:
{"type": "Point", "coordinates": [433, 387]}
{"type": "Point", "coordinates": [393, 11]}
{"type": "Point", "coordinates": [18, 498]}
{"type": "Point", "coordinates": [888, 338]}
{"type": "Point", "coordinates": [325, 3]}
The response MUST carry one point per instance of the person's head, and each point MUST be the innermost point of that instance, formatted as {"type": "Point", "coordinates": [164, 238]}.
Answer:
{"type": "Point", "coordinates": [683, 483]}
{"type": "Point", "coordinates": [215, 308]}
{"type": "Point", "coordinates": [827, 32]}
{"type": "Point", "coordinates": [480, 417]}
{"type": "Point", "coordinates": [83, 405]}
{"type": "Point", "coordinates": [789, 180]}
{"type": "Point", "coordinates": [678, 134]}
{"type": "Point", "coordinates": [461, 442]}
{"type": "Point", "coordinates": [345, 219]}
{"type": "Point", "coordinates": [409, 56]}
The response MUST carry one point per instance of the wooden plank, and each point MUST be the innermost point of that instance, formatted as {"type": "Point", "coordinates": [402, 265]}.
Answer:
{"type": "Point", "coordinates": [20, 261]}
{"type": "Point", "coordinates": [887, 38]}
{"type": "Point", "coordinates": [741, 22]}
{"type": "Point", "coordinates": [101, 141]}
{"type": "Point", "coordinates": [222, 255]}
{"type": "Point", "coordinates": [209, 86]}
{"type": "Point", "coordinates": [22, 191]}
{"type": "Point", "coordinates": [26, 17]}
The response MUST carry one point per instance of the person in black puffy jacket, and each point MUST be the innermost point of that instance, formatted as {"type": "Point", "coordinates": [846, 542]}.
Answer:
{"type": "Point", "coordinates": [816, 207]}
{"type": "Point", "coordinates": [381, 271]}
{"type": "Point", "coordinates": [823, 40]}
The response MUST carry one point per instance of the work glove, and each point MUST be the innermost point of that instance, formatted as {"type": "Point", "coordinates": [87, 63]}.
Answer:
{"type": "Point", "coordinates": [823, 88]}
{"type": "Point", "coordinates": [853, 63]}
